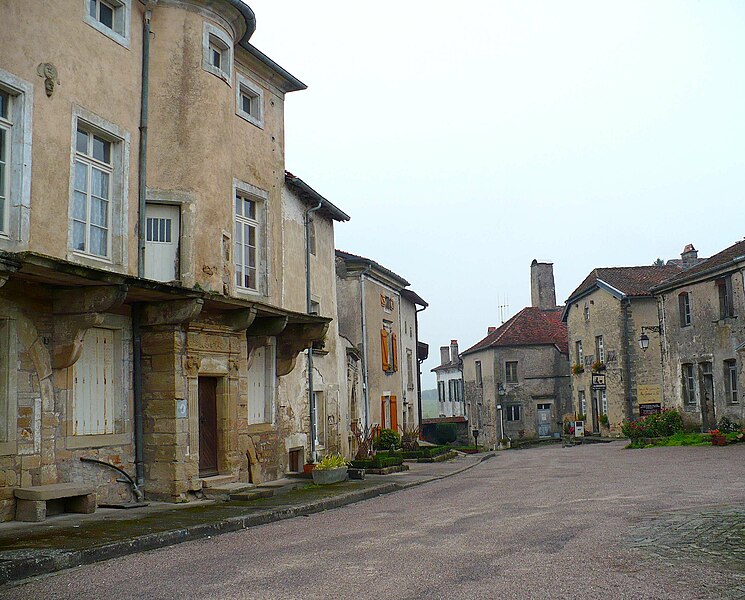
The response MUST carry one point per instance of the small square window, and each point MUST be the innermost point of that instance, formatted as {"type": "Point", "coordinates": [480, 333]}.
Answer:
{"type": "Point", "coordinates": [110, 17]}
{"type": "Point", "coordinates": [249, 102]}
{"type": "Point", "coordinates": [513, 412]}
{"type": "Point", "coordinates": [217, 52]}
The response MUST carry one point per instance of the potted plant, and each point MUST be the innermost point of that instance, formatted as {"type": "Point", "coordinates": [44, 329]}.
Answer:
{"type": "Point", "coordinates": [504, 443]}
{"type": "Point", "coordinates": [604, 421]}
{"type": "Point", "coordinates": [577, 369]}
{"type": "Point", "coordinates": [331, 469]}
{"type": "Point", "coordinates": [598, 366]}
{"type": "Point", "coordinates": [309, 465]}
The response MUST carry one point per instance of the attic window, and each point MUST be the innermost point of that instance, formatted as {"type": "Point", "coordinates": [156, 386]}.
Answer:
{"type": "Point", "coordinates": [217, 52]}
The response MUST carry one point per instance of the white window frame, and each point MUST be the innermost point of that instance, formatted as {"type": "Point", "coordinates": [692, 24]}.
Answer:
{"type": "Point", "coordinates": [8, 377]}
{"type": "Point", "coordinates": [245, 86]}
{"type": "Point", "coordinates": [15, 234]}
{"type": "Point", "coordinates": [270, 376]}
{"type": "Point", "coordinates": [123, 8]}
{"type": "Point", "coordinates": [582, 402]}
{"type": "Point", "coordinates": [510, 411]}
{"type": "Point", "coordinates": [479, 374]}
{"type": "Point", "coordinates": [121, 413]}
{"type": "Point", "coordinates": [510, 371]}
{"type": "Point", "coordinates": [261, 197]}
{"type": "Point", "coordinates": [118, 203]}
{"type": "Point", "coordinates": [215, 36]}
{"type": "Point", "coordinates": [689, 384]}
{"type": "Point", "coordinates": [600, 348]}
{"type": "Point", "coordinates": [730, 381]}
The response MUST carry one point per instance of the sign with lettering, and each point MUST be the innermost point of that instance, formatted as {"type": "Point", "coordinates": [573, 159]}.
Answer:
{"type": "Point", "coordinates": [652, 408]}
{"type": "Point", "coordinates": [579, 429]}
{"type": "Point", "coordinates": [598, 381]}
{"type": "Point", "coordinates": [648, 393]}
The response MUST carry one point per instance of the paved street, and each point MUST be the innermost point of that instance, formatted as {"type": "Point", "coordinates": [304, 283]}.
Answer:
{"type": "Point", "coordinates": [585, 522]}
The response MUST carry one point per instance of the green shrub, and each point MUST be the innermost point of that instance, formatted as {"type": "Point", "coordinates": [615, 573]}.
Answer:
{"type": "Point", "coordinates": [667, 423]}
{"type": "Point", "coordinates": [727, 425]}
{"type": "Point", "coordinates": [388, 439]}
{"type": "Point", "coordinates": [445, 433]}
{"type": "Point", "coordinates": [380, 461]}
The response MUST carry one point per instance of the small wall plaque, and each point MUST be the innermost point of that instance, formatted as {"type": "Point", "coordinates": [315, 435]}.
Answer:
{"type": "Point", "coordinates": [182, 408]}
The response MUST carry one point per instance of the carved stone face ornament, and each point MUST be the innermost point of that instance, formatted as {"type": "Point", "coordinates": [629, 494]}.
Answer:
{"type": "Point", "coordinates": [49, 73]}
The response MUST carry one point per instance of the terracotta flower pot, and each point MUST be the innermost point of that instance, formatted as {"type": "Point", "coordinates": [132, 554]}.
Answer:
{"type": "Point", "coordinates": [308, 468]}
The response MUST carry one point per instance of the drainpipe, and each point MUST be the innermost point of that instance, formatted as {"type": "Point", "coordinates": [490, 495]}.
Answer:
{"type": "Point", "coordinates": [136, 333]}
{"type": "Point", "coordinates": [626, 306]}
{"type": "Point", "coordinates": [419, 367]}
{"type": "Point", "coordinates": [364, 346]}
{"type": "Point", "coordinates": [311, 404]}
{"type": "Point", "coordinates": [144, 88]}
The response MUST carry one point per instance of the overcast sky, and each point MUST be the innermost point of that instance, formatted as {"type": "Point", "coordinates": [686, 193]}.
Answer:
{"type": "Point", "coordinates": [467, 138]}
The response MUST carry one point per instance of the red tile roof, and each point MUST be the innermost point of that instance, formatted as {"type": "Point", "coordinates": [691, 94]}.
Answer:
{"type": "Point", "coordinates": [530, 327]}
{"type": "Point", "coordinates": [720, 259]}
{"type": "Point", "coordinates": [631, 281]}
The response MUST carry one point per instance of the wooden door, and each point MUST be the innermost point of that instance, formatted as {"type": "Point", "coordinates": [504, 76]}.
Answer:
{"type": "Point", "coordinates": [161, 242]}
{"type": "Point", "coordinates": [207, 426]}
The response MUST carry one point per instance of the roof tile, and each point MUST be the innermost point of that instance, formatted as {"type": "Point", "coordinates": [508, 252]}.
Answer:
{"type": "Point", "coordinates": [530, 327]}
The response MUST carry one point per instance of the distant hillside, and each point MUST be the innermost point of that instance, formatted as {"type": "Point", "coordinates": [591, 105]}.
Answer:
{"type": "Point", "coordinates": [430, 404]}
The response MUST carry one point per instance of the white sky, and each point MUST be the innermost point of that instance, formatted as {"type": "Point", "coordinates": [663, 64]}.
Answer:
{"type": "Point", "coordinates": [467, 138]}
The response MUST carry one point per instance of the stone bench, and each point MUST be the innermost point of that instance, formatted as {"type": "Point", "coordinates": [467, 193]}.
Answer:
{"type": "Point", "coordinates": [36, 502]}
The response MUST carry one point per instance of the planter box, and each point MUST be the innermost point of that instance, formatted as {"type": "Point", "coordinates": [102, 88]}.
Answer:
{"type": "Point", "coordinates": [328, 476]}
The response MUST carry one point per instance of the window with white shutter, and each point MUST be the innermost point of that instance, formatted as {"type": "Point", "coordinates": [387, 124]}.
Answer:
{"type": "Point", "coordinates": [94, 385]}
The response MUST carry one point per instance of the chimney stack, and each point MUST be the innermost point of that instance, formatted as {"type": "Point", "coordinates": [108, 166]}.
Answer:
{"type": "Point", "coordinates": [542, 288]}
{"type": "Point", "coordinates": [453, 351]}
{"type": "Point", "coordinates": [491, 330]}
{"type": "Point", "coordinates": [444, 355]}
{"type": "Point", "coordinates": [689, 256]}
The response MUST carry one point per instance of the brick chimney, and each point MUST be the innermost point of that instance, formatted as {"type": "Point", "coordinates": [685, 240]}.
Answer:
{"type": "Point", "coordinates": [453, 351]}
{"type": "Point", "coordinates": [491, 330]}
{"type": "Point", "coordinates": [542, 288]}
{"type": "Point", "coordinates": [689, 256]}
{"type": "Point", "coordinates": [444, 355]}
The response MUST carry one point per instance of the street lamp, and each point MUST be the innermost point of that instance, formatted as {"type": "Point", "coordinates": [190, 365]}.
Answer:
{"type": "Point", "coordinates": [644, 338]}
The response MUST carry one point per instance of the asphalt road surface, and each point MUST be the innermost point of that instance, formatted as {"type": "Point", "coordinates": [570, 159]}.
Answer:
{"type": "Point", "coordinates": [593, 521]}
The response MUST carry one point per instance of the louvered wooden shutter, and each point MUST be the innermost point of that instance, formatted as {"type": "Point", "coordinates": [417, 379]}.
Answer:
{"type": "Point", "coordinates": [394, 414]}
{"type": "Point", "coordinates": [384, 350]}
{"type": "Point", "coordinates": [395, 351]}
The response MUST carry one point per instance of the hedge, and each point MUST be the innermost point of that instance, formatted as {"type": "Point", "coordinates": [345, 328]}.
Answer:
{"type": "Point", "coordinates": [380, 461]}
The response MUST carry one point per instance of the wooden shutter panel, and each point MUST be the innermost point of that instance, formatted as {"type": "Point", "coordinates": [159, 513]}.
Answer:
{"type": "Point", "coordinates": [385, 359]}
{"type": "Point", "coordinates": [382, 413]}
{"type": "Point", "coordinates": [394, 414]}
{"type": "Point", "coordinates": [395, 351]}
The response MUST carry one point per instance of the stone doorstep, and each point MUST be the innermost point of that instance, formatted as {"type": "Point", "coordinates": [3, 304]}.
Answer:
{"type": "Point", "coordinates": [225, 491]}
{"type": "Point", "coordinates": [279, 483]}
{"type": "Point", "coordinates": [216, 481]}
{"type": "Point", "coordinates": [254, 494]}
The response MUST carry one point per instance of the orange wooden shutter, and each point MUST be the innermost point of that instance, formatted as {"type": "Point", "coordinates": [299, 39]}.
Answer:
{"type": "Point", "coordinates": [384, 350]}
{"type": "Point", "coordinates": [382, 413]}
{"type": "Point", "coordinates": [395, 351]}
{"type": "Point", "coordinates": [394, 414]}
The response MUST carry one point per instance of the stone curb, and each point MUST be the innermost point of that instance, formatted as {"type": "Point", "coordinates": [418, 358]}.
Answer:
{"type": "Point", "coordinates": [18, 570]}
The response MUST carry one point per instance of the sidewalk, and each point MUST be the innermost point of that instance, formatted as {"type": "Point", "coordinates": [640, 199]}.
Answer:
{"type": "Point", "coordinates": [70, 540]}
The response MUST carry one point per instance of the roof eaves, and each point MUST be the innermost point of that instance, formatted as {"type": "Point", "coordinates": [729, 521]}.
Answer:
{"type": "Point", "coordinates": [308, 192]}
{"type": "Point", "coordinates": [613, 291]}
{"type": "Point", "coordinates": [293, 83]}
{"type": "Point", "coordinates": [684, 277]}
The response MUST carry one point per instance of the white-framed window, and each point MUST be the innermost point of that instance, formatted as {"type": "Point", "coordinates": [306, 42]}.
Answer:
{"type": "Point", "coordinates": [249, 100]}
{"type": "Point", "coordinates": [91, 204]}
{"type": "Point", "coordinates": [603, 402]}
{"type": "Point", "coordinates": [512, 412]}
{"type": "Point", "coordinates": [730, 381]}
{"type": "Point", "coordinates": [16, 97]}
{"type": "Point", "coordinates": [600, 348]}
{"type": "Point", "coordinates": [217, 52]}
{"type": "Point", "coordinates": [510, 371]}
{"type": "Point", "coordinates": [479, 376]}
{"type": "Point", "coordinates": [249, 237]}
{"type": "Point", "coordinates": [579, 352]}
{"type": "Point", "coordinates": [582, 402]}
{"type": "Point", "coordinates": [110, 17]}
{"type": "Point", "coordinates": [98, 190]}
{"type": "Point", "coordinates": [261, 385]}
{"type": "Point", "coordinates": [689, 384]}
{"type": "Point", "coordinates": [684, 308]}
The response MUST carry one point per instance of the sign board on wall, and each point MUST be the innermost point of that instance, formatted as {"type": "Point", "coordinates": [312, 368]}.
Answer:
{"type": "Point", "coordinates": [598, 381]}
{"type": "Point", "coordinates": [646, 394]}
{"type": "Point", "coordinates": [651, 408]}
{"type": "Point", "coordinates": [579, 429]}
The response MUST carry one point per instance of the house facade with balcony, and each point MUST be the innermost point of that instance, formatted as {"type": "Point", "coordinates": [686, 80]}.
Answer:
{"type": "Point", "coordinates": [146, 318]}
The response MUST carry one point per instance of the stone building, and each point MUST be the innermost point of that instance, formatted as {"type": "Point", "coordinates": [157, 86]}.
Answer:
{"type": "Point", "coordinates": [606, 316]}
{"type": "Point", "coordinates": [517, 378]}
{"type": "Point", "coordinates": [146, 319]}
{"type": "Point", "coordinates": [308, 227]}
{"type": "Point", "coordinates": [703, 337]}
{"type": "Point", "coordinates": [449, 375]}
{"type": "Point", "coordinates": [378, 314]}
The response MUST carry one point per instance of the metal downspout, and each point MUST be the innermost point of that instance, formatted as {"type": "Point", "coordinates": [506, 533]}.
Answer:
{"type": "Point", "coordinates": [626, 304]}
{"type": "Point", "coordinates": [136, 334]}
{"type": "Point", "coordinates": [364, 346]}
{"type": "Point", "coordinates": [311, 404]}
{"type": "Point", "coordinates": [418, 367]}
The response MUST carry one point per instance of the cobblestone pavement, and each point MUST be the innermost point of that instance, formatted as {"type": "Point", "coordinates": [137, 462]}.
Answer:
{"type": "Point", "coordinates": [588, 522]}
